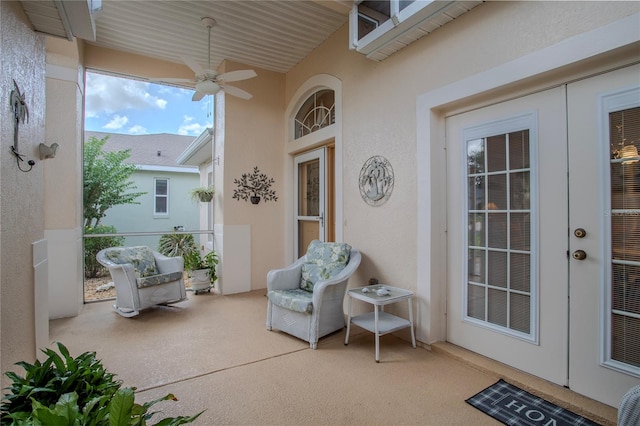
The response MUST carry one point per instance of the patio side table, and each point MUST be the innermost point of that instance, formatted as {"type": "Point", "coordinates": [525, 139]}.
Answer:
{"type": "Point", "coordinates": [380, 322]}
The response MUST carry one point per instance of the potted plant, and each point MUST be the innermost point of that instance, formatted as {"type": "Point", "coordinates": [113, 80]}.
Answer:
{"type": "Point", "coordinates": [202, 269]}
{"type": "Point", "coordinates": [203, 194]}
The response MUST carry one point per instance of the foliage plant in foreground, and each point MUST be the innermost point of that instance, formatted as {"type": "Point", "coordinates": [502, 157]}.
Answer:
{"type": "Point", "coordinates": [93, 268]}
{"type": "Point", "coordinates": [64, 390]}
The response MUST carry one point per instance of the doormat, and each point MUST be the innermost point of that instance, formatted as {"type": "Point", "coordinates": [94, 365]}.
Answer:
{"type": "Point", "coordinates": [514, 406]}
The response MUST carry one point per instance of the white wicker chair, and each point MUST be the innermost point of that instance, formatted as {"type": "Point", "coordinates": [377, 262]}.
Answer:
{"type": "Point", "coordinates": [629, 410]}
{"type": "Point", "coordinates": [143, 278]}
{"type": "Point", "coordinates": [326, 310]}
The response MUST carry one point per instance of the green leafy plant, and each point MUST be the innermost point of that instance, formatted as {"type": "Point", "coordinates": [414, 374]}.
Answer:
{"type": "Point", "coordinates": [92, 245]}
{"type": "Point", "coordinates": [175, 244]}
{"type": "Point", "coordinates": [106, 180]}
{"type": "Point", "coordinates": [203, 193]}
{"type": "Point", "coordinates": [194, 261]}
{"type": "Point", "coordinates": [64, 390]}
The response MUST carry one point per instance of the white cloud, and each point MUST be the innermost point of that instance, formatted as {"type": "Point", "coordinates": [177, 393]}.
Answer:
{"type": "Point", "coordinates": [117, 122]}
{"type": "Point", "coordinates": [137, 130]}
{"type": "Point", "coordinates": [188, 127]}
{"type": "Point", "coordinates": [107, 94]}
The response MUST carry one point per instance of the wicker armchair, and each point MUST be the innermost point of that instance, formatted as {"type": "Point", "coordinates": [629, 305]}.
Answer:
{"type": "Point", "coordinates": [143, 278]}
{"type": "Point", "coordinates": [306, 298]}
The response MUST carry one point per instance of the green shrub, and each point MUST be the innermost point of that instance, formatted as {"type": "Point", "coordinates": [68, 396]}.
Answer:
{"type": "Point", "coordinates": [176, 244]}
{"type": "Point", "coordinates": [92, 246]}
{"type": "Point", "coordinates": [64, 390]}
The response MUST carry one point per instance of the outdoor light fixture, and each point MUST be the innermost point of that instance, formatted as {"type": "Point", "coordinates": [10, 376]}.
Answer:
{"type": "Point", "coordinates": [208, 87]}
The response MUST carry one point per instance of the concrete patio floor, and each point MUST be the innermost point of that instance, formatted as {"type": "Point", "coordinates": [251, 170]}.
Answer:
{"type": "Point", "coordinates": [214, 353]}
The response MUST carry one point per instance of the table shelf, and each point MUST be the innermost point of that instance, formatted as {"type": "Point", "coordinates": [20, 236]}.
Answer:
{"type": "Point", "coordinates": [387, 323]}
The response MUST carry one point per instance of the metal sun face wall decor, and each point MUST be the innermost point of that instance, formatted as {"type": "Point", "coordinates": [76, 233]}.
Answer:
{"type": "Point", "coordinates": [376, 180]}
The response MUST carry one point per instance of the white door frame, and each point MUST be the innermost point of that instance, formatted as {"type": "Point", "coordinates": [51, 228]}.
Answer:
{"type": "Point", "coordinates": [333, 134]}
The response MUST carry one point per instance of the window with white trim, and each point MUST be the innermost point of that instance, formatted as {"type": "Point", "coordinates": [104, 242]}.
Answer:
{"type": "Point", "coordinates": [161, 196]}
{"type": "Point", "coordinates": [317, 112]}
{"type": "Point", "coordinates": [500, 288]}
{"type": "Point", "coordinates": [624, 228]}
{"type": "Point", "coordinates": [378, 28]}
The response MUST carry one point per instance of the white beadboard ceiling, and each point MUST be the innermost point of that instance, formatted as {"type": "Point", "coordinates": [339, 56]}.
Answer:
{"type": "Point", "coordinates": [271, 34]}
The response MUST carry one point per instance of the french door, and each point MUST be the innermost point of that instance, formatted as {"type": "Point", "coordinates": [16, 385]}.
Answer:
{"type": "Point", "coordinates": [310, 199]}
{"type": "Point", "coordinates": [544, 233]}
{"type": "Point", "coordinates": [507, 224]}
{"type": "Point", "coordinates": [604, 237]}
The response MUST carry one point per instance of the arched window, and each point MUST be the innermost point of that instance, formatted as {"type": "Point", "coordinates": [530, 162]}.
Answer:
{"type": "Point", "coordinates": [316, 112]}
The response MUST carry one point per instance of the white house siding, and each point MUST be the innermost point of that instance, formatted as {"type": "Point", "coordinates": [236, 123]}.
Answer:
{"type": "Point", "coordinates": [141, 218]}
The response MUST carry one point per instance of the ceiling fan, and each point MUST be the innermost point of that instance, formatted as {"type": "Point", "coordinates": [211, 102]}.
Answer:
{"type": "Point", "coordinates": [208, 81]}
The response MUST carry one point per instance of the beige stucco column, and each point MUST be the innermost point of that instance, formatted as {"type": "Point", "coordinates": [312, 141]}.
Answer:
{"type": "Point", "coordinates": [63, 177]}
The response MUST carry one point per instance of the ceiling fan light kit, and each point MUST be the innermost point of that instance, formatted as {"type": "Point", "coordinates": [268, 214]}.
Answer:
{"type": "Point", "coordinates": [208, 81]}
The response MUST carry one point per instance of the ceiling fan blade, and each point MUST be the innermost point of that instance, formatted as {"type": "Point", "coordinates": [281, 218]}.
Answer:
{"type": "Point", "coordinates": [234, 91]}
{"type": "Point", "coordinates": [173, 80]}
{"type": "Point", "coordinates": [237, 75]}
{"type": "Point", "coordinates": [195, 67]}
{"type": "Point", "coordinates": [197, 96]}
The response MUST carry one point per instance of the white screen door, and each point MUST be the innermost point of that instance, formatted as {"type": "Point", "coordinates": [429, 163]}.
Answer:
{"type": "Point", "coordinates": [310, 199]}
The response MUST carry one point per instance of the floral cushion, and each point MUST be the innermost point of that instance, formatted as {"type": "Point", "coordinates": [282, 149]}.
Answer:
{"type": "Point", "coordinates": [295, 300]}
{"type": "Point", "coordinates": [141, 257]}
{"type": "Point", "coordinates": [323, 261]}
{"type": "Point", "coordinates": [158, 279]}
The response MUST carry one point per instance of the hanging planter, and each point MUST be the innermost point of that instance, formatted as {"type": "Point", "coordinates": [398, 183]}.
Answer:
{"type": "Point", "coordinates": [204, 194]}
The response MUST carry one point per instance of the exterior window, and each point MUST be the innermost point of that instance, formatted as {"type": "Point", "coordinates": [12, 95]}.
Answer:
{"type": "Point", "coordinates": [624, 223]}
{"type": "Point", "coordinates": [316, 112]}
{"type": "Point", "coordinates": [499, 285]}
{"type": "Point", "coordinates": [372, 14]}
{"type": "Point", "coordinates": [378, 28]}
{"type": "Point", "coordinates": [161, 204]}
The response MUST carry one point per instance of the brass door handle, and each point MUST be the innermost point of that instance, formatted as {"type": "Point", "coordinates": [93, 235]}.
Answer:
{"type": "Point", "coordinates": [580, 233]}
{"type": "Point", "coordinates": [579, 255]}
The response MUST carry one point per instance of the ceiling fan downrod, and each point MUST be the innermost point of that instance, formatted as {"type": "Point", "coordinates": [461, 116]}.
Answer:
{"type": "Point", "coordinates": [209, 23]}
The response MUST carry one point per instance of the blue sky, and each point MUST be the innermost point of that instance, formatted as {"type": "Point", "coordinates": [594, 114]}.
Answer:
{"type": "Point", "coordinates": [120, 105]}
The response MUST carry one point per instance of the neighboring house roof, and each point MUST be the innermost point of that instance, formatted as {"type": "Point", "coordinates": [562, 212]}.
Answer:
{"type": "Point", "coordinates": [149, 152]}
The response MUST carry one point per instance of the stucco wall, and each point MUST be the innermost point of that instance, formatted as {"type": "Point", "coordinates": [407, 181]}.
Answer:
{"type": "Point", "coordinates": [253, 136]}
{"type": "Point", "coordinates": [21, 194]}
{"type": "Point", "coordinates": [379, 108]}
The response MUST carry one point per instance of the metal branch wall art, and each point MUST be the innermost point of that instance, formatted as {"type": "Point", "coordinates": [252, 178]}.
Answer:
{"type": "Point", "coordinates": [20, 115]}
{"type": "Point", "coordinates": [254, 186]}
{"type": "Point", "coordinates": [376, 181]}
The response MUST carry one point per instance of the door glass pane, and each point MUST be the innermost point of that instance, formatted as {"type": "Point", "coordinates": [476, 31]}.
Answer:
{"type": "Point", "coordinates": [625, 235]}
{"type": "Point", "coordinates": [497, 268]}
{"type": "Point", "coordinates": [499, 230]}
{"type": "Point", "coordinates": [309, 188]}
{"type": "Point", "coordinates": [476, 229]}
{"type": "Point", "coordinates": [496, 153]}
{"type": "Point", "coordinates": [475, 302]}
{"type": "Point", "coordinates": [308, 230]}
